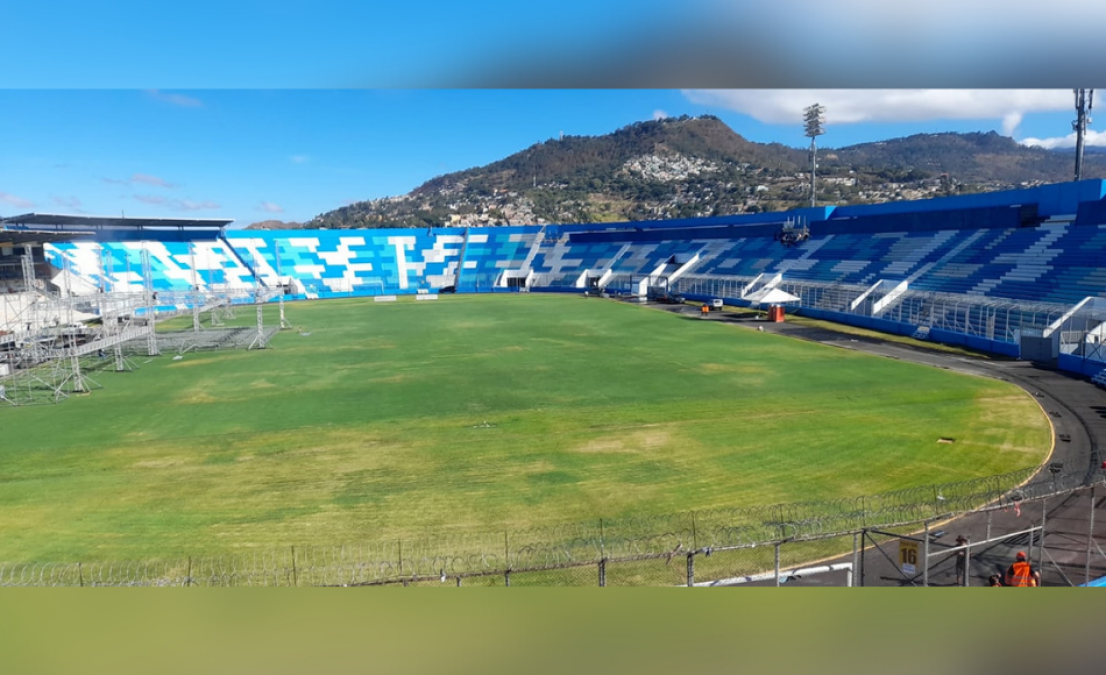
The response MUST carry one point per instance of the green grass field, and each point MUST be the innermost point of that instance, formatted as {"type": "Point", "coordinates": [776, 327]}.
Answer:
{"type": "Point", "coordinates": [478, 413]}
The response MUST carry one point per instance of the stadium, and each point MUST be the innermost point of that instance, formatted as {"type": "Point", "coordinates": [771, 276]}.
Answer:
{"type": "Point", "coordinates": [547, 404]}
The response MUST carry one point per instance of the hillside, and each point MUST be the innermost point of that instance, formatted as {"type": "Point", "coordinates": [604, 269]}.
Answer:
{"type": "Point", "coordinates": [691, 167]}
{"type": "Point", "coordinates": [275, 225]}
{"type": "Point", "coordinates": [978, 158]}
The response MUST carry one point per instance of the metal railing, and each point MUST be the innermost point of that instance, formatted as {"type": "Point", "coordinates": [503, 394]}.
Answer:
{"type": "Point", "coordinates": [997, 319]}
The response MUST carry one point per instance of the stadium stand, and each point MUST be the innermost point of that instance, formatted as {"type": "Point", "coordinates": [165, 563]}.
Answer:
{"type": "Point", "coordinates": [992, 271]}
{"type": "Point", "coordinates": [336, 263]}
{"type": "Point", "coordinates": [175, 265]}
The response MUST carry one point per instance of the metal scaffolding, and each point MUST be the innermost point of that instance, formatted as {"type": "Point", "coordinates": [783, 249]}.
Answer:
{"type": "Point", "coordinates": [50, 340]}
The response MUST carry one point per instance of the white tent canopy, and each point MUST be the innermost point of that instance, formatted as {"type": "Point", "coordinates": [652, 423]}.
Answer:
{"type": "Point", "coordinates": [771, 296]}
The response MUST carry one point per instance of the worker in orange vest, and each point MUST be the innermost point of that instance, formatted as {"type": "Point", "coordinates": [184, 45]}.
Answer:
{"type": "Point", "coordinates": [1021, 573]}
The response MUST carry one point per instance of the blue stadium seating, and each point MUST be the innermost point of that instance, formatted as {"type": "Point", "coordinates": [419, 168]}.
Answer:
{"type": "Point", "coordinates": [334, 263]}
{"type": "Point", "coordinates": [1043, 245]}
{"type": "Point", "coordinates": [118, 265]}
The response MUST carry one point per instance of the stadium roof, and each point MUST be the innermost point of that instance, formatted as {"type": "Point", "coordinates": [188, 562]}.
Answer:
{"type": "Point", "coordinates": [37, 238]}
{"type": "Point", "coordinates": [58, 221]}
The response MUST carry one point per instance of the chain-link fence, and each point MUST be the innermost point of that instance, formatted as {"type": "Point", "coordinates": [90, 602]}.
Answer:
{"type": "Point", "coordinates": [896, 538]}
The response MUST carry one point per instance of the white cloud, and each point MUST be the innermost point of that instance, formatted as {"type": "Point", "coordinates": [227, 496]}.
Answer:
{"type": "Point", "coordinates": [270, 207]}
{"type": "Point", "coordinates": [72, 203]}
{"type": "Point", "coordinates": [147, 179]}
{"type": "Point", "coordinates": [1096, 138]}
{"type": "Point", "coordinates": [659, 114]}
{"type": "Point", "coordinates": [1010, 122]}
{"type": "Point", "coordinates": [845, 106]}
{"type": "Point", "coordinates": [190, 205]}
{"type": "Point", "coordinates": [144, 178]}
{"type": "Point", "coordinates": [16, 201]}
{"type": "Point", "coordinates": [178, 204]}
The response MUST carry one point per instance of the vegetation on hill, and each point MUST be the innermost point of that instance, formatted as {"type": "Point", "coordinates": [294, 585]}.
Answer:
{"type": "Point", "coordinates": [275, 225]}
{"type": "Point", "coordinates": [692, 167]}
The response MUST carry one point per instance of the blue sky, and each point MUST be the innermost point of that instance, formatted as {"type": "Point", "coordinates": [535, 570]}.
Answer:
{"type": "Point", "coordinates": [276, 44]}
{"type": "Point", "coordinates": [255, 109]}
{"type": "Point", "coordinates": [251, 155]}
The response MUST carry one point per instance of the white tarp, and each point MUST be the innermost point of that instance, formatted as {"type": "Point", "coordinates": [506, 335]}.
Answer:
{"type": "Point", "coordinates": [77, 285]}
{"type": "Point", "coordinates": [771, 296]}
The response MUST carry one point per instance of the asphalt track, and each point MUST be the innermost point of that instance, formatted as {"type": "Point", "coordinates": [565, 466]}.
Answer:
{"type": "Point", "coordinates": [1077, 410]}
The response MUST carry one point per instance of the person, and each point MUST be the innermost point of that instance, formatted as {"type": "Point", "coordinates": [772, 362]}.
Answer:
{"type": "Point", "coordinates": [961, 560]}
{"type": "Point", "coordinates": [995, 580]}
{"type": "Point", "coordinates": [1021, 573]}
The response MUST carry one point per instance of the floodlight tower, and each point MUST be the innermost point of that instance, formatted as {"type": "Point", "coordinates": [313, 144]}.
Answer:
{"type": "Point", "coordinates": [813, 120]}
{"type": "Point", "coordinates": [1084, 101]}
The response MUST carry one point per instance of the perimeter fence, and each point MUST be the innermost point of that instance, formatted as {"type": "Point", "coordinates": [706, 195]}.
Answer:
{"type": "Point", "coordinates": [999, 321]}
{"type": "Point", "coordinates": [836, 542]}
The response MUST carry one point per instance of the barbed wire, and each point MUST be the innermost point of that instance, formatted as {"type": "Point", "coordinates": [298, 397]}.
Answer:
{"type": "Point", "coordinates": [567, 546]}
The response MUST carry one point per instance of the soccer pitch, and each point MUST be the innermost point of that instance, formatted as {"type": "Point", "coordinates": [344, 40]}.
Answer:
{"type": "Point", "coordinates": [384, 421]}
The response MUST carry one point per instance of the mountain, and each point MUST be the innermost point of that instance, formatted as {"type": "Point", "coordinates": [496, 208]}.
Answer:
{"type": "Point", "coordinates": [978, 157]}
{"type": "Point", "coordinates": [275, 225]}
{"type": "Point", "coordinates": [689, 167]}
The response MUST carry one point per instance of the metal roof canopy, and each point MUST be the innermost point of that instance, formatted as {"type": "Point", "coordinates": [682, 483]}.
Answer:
{"type": "Point", "coordinates": [17, 238]}
{"type": "Point", "coordinates": [58, 221]}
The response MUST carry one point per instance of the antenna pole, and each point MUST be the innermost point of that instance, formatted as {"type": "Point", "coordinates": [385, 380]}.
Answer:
{"type": "Point", "coordinates": [1084, 100]}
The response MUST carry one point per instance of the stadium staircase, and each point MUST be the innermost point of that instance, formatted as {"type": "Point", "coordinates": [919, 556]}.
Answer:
{"type": "Point", "coordinates": [1099, 380]}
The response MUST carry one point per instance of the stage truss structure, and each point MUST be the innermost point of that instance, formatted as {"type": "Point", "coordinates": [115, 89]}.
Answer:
{"type": "Point", "coordinates": [54, 342]}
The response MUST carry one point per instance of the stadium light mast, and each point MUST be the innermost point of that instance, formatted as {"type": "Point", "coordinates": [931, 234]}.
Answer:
{"type": "Point", "coordinates": [813, 120]}
{"type": "Point", "coordinates": [1084, 101]}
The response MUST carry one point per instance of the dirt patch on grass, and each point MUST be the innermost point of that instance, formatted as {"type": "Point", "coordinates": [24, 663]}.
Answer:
{"type": "Point", "coordinates": [603, 445]}
{"type": "Point", "coordinates": [195, 397]}
{"type": "Point", "coordinates": [1017, 411]}
{"type": "Point", "coordinates": [186, 362]}
{"type": "Point", "coordinates": [628, 443]}
{"type": "Point", "coordinates": [1003, 409]}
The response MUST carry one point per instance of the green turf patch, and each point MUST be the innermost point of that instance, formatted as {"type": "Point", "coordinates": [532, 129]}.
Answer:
{"type": "Point", "coordinates": [480, 413]}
